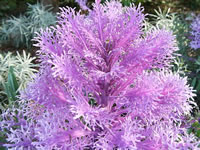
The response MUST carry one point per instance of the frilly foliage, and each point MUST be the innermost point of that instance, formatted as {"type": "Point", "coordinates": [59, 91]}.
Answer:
{"type": "Point", "coordinates": [103, 84]}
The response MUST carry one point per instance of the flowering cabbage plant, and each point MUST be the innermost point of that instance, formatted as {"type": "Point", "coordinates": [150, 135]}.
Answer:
{"type": "Point", "coordinates": [104, 84]}
{"type": "Point", "coordinates": [195, 26]}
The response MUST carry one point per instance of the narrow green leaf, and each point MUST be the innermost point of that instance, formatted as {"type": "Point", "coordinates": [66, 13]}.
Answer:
{"type": "Point", "coordinates": [194, 82]}
{"type": "Point", "coordinates": [9, 93]}
{"type": "Point", "coordinates": [198, 86]}
{"type": "Point", "coordinates": [11, 86]}
{"type": "Point", "coordinates": [13, 78]}
{"type": "Point", "coordinates": [6, 87]}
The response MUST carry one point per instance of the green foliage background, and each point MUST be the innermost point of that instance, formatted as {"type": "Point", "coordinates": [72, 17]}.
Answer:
{"type": "Point", "coordinates": [13, 7]}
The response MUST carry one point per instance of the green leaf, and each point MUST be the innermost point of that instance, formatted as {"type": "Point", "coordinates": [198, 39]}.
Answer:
{"type": "Point", "coordinates": [2, 148]}
{"type": "Point", "coordinates": [9, 92]}
{"type": "Point", "coordinates": [194, 82]}
{"type": "Point", "coordinates": [196, 125]}
{"type": "Point", "coordinates": [198, 86]}
{"type": "Point", "coordinates": [198, 133]}
{"type": "Point", "coordinates": [12, 79]}
{"type": "Point", "coordinates": [189, 130]}
{"type": "Point", "coordinates": [11, 86]}
{"type": "Point", "coordinates": [2, 140]}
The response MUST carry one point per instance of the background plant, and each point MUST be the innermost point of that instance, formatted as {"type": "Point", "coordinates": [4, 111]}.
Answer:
{"type": "Point", "coordinates": [193, 5]}
{"type": "Point", "coordinates": [23, 70]}
{"type": "Point", "coordinates": [11, 87]}
{"type": "Point", "coordinates": [14, 31]}
{"type": "Point", "coordinates": [13, 7]}
{"type": "Point", "coordinates": [19, 31]}
{"type": "Point", "coordinates": [195, 35]}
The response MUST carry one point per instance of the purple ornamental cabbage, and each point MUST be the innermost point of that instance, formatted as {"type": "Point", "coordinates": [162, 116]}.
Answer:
{"type": "Point", "coordinates": [104, 84]}
{"type": "Point", "coordinates": [195, 26]}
